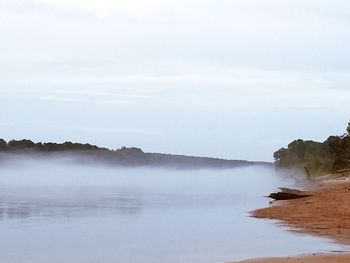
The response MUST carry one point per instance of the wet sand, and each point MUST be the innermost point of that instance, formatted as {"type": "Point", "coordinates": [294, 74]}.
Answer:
{"type": "Point", "coordinates": [326, 213]}
{"type": "Point", "coordinates": [319, 258]}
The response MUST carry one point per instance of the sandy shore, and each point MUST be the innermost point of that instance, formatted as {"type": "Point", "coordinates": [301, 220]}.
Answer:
{"type": "Point", "coordinates": [320, 258]}
{"type": "Point", "coordinates": [317, 258]}
{"type": "Point", "coordinates": [325, 213]}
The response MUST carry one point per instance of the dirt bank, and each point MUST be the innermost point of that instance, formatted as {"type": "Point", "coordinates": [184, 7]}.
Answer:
{"type": "Point", "coordinates": [320, 258]}
{"type": "Point", "coordinates": [325, 213]}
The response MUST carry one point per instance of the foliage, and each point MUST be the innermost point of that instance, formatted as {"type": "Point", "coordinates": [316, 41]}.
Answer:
{"type": "Point", "coordinates": [22, 144]}
{"type": "Point", "coordinates": [3, 145]}
{"type": "Point", "coordinates": [126, 156]}
{"type": "Point", "coordinates": [28, 145]}
{"type": "Point", "coordinates": [319, 158]}
{"type": "Point", "coordinates": [132, 150]}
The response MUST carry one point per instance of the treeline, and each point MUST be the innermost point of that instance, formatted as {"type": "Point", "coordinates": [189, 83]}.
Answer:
{"type": "Point", "coordinates": [318, 158]}
{"type": "Point", "coordinates": [29, 146]}
{"type": "Point", "coordinates": [87, 153]}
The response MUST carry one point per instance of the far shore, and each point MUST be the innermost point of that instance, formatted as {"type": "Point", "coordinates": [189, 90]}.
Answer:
{"type": "Point", "coordinates": [326, 213]}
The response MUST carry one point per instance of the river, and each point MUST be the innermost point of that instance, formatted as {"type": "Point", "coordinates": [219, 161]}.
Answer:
{"type": "Point", "coordinates": [59, 211]}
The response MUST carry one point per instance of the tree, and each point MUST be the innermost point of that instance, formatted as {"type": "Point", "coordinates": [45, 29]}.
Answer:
{"type": "Point", "coordinates": [348, 128]}
{"type": "Point", "coordinates": [3, 145]}
{"type": "Point", "coordinates": [21, 144]}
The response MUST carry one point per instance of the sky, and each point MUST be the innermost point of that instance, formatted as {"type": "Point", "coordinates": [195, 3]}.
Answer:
{"type": "Point", "coordinates": [234, 79]}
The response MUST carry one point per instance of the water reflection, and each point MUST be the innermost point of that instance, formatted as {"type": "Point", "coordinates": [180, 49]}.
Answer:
{"type": "Point", "coordinates": [16, 205]}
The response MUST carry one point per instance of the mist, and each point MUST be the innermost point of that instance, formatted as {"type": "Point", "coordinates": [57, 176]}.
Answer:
{"type": "Point", "coordinates": [69, 171]}
{"type": "Point", "coordinates": [107, 210]}
{"type": "Point", "coordinates": [68, 185]}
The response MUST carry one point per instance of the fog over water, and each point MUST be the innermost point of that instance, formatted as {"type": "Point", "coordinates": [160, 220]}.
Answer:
{"type": "Point", "coordinates": [59, 211]}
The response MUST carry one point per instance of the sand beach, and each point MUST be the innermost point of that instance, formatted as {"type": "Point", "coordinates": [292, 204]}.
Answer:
{"type": "Point", "coordinates": [325, 213]}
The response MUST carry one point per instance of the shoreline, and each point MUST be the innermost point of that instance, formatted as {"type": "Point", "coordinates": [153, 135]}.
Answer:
{"type": "Point", "coordinates": [313, 258]}
{"type": "Point", "coordinates": [326, 213]}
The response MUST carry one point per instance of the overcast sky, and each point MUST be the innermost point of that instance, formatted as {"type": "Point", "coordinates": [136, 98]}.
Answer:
{"type": "Point", "coordinates": [227, 78]}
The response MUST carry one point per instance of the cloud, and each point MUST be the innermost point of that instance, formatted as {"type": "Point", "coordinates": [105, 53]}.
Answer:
{"type": "Point", "coordinates": [212, 90]}
{"type": "Point", "coordinates": [175, 67]}
{"type": "Point", "coordinates": [174, 35]}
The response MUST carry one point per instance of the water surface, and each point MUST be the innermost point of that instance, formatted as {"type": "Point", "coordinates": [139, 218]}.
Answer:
{"type": "Point", "coordinates": [56, 211]}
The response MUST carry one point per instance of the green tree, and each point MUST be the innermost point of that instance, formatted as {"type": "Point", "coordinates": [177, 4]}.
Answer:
{"type": "Point", "coordinates": [3, 145]}
{"type": "Point", "coordinates": [21, 144]}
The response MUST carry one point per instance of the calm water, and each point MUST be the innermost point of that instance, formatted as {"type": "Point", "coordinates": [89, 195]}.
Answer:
{"type": "Point", "coordinates": [61, 212]}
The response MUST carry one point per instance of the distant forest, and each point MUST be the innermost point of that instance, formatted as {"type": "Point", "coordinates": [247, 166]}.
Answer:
{"type": "Point", "coordinates": [330, 156]}
{"type": "Point", "coordinates": [124, 156]}
{"type": "Point", "coordinates": [28, 145]}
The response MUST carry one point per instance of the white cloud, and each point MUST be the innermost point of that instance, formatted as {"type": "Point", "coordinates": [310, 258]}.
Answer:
{"type": "Point", "coordinates": [172, 34]}
{"type": "Point", "coordinates": [175, 67]}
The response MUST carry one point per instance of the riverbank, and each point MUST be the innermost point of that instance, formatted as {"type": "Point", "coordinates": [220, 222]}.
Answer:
{"type": "Point", "coordinates": [315, 258]}
{"type": "Point", "coordinates": [325, 213]}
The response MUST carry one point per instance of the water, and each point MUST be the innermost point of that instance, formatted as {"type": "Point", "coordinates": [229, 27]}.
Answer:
{"type": "Point", "coordinates": [56, 211]}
